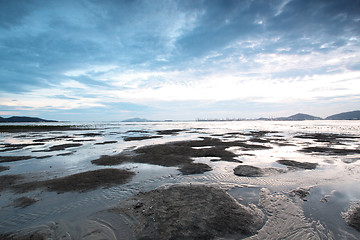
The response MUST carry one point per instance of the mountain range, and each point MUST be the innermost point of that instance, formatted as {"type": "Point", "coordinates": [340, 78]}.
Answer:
{"type": "Point", "coordinates": [353, 115]}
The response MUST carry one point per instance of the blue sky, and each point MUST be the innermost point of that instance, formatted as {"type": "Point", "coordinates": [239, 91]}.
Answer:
{"type": "Point", "coordinates": [112, 60]}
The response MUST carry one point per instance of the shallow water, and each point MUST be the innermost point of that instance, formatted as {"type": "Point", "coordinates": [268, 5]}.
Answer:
{"type": "Point", "coordinates": [336, 175]}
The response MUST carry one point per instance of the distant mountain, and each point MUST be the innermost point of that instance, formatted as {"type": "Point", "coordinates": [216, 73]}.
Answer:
{"type": "Point", "coordinates": [302, 117]}
{"type": "Point", "coordinates": [136, 120]}
{"type": "Point", "coordinates": [23, 119]}
{"type": "Point", "coordinates": [353, 115]}
{"type": "Point", "coordinates": [295, 117]}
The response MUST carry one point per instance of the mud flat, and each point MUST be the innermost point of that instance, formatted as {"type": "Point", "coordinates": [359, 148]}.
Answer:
{"type": "Point", "coordinates": [296, 164]}
{"type": "Point", "coordinates": [12, 147]}
{"type": "Point", "coordinates": [327, 137]}
{"type": "Point", "coordinates": [24, 202]}
{"type": "Point", "coordinates": [127, 139]}
{"type": "Point", "coordinates": [14, 158]}
{"type": "Point", "coordinates": [178, 183]}
{"type": "Point", "coordinates": [352, 216]}
{"type": "Point", "coordinates": [7, 181]}
{"type": "Point", "coordinates": [174, 154]}
{"type": "Point", "coordinates": [179, 153]}
{"type": "Point", "coordinates": [330, 151]}
{"type": "Point", "coordinates": [106, 142]}
{"type": "Point", "coordinates": [248, 171]}
{"type": "Point", "coordinates": [189, 212]}
{"type": "Point", "coordinates": [60, 147]}
{"type": "Point", "coordinates": [170, 131]}
{"type": "Point", "coordinates": [80, 182]}
{"type": "Point", "coordinates": [195, 168]}
{"type": "Point", "coordinates": [251, 171]}
{"type": "Point", "coordinates": [4, 168]}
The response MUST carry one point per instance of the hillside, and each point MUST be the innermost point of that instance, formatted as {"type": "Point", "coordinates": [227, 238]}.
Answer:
{"type": "Point", "coordinates": [353, 115]}
{"type": "Point", "coordinates": [15, 119]}
{"type": "Point", "coordinates": [136, 120]}
{"type": "Point", "coordinates": [301, 117]}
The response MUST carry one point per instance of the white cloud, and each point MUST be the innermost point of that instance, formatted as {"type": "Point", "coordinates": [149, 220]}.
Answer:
{"type": "Point", "coordinates": [224, 87]}
{"type": "Point", "coordinates": [88, 70]}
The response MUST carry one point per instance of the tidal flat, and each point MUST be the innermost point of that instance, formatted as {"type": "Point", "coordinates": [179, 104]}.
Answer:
{"type": "Point", "coordinates": [180, 180]}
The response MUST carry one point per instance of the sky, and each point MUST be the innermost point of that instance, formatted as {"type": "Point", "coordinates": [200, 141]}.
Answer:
{"type": "Point", "coordinates": [109, 60]}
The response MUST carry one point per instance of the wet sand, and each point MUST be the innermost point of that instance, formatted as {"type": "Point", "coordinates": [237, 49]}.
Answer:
{"type": "Point", "coordinates": [173, 185]}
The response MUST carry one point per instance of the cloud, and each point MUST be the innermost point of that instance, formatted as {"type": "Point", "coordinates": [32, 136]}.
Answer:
{"type": "Point", "coordinates": [98, 54]}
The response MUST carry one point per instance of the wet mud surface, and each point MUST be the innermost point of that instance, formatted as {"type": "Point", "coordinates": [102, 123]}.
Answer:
{"type": "Point", "coordinates": [296, 164]}
{"type": "Point", "coordinates": [60, 147]}
{"type": "Point", "coordinates": [182, 181]}
{"type": "Point", "coordinates": [330, 150]}
{"type": "Point", "coordinates": [140, 138]}
{"type": "Point", "coordinates": [352, 216]}
{"type": "Point", "coordinates": [248, 171]}
{"type": "Point", "coordinates": [170, 132]}
{"type": "Point", "coordinates": [4, 168]}
{"type": "Point", "coordinates": [80, 182]}
{"type": "Point", "coordinates": [176, 154]}
{"type": "Point", "coordinates": [6, 181]}
{"type": "Point", "coordinates": [24, 202]}
{"type": "Point", "coordinates": [106, 142]}
{"type": "Point", "coordinates": [194, 168]}
{"type": "Point", "coordinates": [327, 137]}
{"type": "Point", "coordinates": [14, 158]}
{"type": "Point", "coordinates": [12, 147]}
{"type": "Point", "coordinates": [189, 212]}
